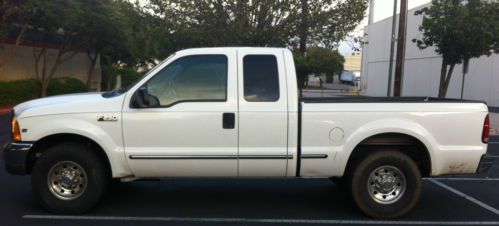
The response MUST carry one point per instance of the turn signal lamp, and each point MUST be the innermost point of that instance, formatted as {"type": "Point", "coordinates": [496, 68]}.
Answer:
{"type": "Point", "coordinates": [16, 132]}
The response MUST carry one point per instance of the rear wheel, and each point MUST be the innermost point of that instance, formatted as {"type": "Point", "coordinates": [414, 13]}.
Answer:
{"type": "Point", "coordinates": [386, 184]}
{"type": "Point", "coordinates": [69, 178]}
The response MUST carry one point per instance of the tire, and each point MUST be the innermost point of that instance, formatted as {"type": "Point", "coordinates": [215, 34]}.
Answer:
{"type": "Point", "coordinates": [387, 198]}
{"type": "Point", "coordinates": [78, 178]}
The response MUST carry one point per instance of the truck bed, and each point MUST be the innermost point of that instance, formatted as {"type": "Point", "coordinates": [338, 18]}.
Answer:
{"type": "Point", "coordinates": [448, 128]}
{"type": "Point", "coordinates": [368, 99]}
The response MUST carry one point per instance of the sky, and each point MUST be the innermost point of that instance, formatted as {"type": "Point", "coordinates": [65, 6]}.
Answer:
{"type": "Point", "coordinates": [382, 10]}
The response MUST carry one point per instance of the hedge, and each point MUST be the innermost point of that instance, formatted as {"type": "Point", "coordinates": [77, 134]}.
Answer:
{"type": "Point", "coordinates": [128, 75]}
{"type": "Point", "coordinates": [15, 92]}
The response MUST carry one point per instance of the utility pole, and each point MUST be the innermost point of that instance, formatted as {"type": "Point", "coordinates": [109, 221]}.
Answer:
{"type": "Point", "coordinates": [399, 64]}
{"type": "Point", "coordinates": [392, 46]}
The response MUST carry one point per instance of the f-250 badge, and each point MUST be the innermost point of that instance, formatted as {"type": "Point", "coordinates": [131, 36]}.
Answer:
{"type": "Point", "coordinates": [107, 118]}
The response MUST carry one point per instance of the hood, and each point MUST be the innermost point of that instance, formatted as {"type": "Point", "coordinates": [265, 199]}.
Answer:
{"type": "Point", "coordinates": [71, 103]}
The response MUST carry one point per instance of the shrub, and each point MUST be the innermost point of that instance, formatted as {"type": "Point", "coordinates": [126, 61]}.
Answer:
{"type": "Point", "coordinates": [15, 92]}
{"type": "Point", "coordinates": [66, 85]}
{"type": "Point", "coordinates": [128, 76]}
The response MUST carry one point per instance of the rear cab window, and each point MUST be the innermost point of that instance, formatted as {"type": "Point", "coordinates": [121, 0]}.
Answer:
{"type": "Point", "coordinates": [261, 78]}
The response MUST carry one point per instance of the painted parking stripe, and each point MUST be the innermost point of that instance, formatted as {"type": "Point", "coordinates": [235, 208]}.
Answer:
{"type": "Point", "coordinates": [251, 220]}
{"type": "Point", "coordinates": [463, 179]}
{"type": "Point", "coordinates": [478, 202]}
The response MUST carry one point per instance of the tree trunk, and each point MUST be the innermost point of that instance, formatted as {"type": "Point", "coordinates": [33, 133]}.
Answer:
{"type": "Point", "coordinates": [48, 76]}
{"type": "Point", "coordinates": [443, 72]}
{"type": "Point", "coordinates": [19, 39]}
{"type": "Point", "coordinates": [445, 76]}
{"type": "Point", "coordinates": [110, 76]}
{"type": "Point", "coordinates": [447, 79]}
{"type": "Point", "coordinates": [44, 87]}
{"type": "Point", "coordinates": [42, 75]}
{"type": "Point", "coordinates": [93, 62]}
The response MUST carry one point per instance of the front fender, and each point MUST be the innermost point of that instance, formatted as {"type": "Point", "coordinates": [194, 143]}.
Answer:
{"type": "Point", "coordinates": [106, 134]}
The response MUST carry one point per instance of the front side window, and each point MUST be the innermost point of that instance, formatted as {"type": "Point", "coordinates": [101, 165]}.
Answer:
{"type": "Point", "coordinates": [261, 78]}
{"type": "Point", "coordinates": [191, 78]}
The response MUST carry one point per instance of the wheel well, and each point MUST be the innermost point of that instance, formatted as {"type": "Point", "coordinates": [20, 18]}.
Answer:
{"type": "Point", "coordinates": [404, 143]}
{"type": "Point", "coordinates": [41, 145]}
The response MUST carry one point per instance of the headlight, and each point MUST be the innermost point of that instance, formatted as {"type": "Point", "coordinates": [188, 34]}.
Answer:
{"type": "Point", "coordinates": [16, 132]}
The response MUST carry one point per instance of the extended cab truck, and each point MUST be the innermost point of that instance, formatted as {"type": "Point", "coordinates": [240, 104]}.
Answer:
{"type": "Point", "coordinates": [235, 112]}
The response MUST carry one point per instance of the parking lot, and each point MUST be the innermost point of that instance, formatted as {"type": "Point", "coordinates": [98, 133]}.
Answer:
{"type": "Point", "coordinates": [444, 201]}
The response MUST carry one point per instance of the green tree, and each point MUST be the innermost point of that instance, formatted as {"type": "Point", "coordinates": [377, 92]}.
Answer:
{"type": "Point", "coordinates": [325, 22]}
{"type": "Point", "coordinates": [146, 39]}
{"type": "Point", "coordinates": [60, 21]}
{"type": "Point", "coordinates": [277, 23]}
{"type": "Point", "coordinates": [226, 22]}
{"type": "Point", "coordinates": [317, 60]}
{"type": "Point", "coordinates": [259, 22]}
{"type": "Point", "coordinates": [106, 31]}
{"type": "Point", "coordinates": [459, 30]}
{"type": "Point", "coordinates": [302, 69]}
{"type": "Point", "coordinates": [16, 17]}
{"type": "Point", "coordinates": [97, 27]}
{"type": "Point", "coordinates": [324, 61]}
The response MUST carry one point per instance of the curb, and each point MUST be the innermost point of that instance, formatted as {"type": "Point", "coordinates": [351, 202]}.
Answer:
{"type": "Point", "coordinates": [5, 110]}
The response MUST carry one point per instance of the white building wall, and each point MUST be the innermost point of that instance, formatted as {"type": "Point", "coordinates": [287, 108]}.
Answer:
{"type": "Point", "coordinates": [422, 67]}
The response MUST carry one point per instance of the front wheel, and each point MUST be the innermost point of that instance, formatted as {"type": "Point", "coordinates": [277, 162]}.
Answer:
{"type": "Point", "coordinates": [69, 178]}
{"type": "Point", "coordinates": [386, 184]}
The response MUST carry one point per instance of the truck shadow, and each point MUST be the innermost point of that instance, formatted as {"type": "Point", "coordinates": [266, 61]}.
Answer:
{"type": "Point", "coordinates": [238, 198]}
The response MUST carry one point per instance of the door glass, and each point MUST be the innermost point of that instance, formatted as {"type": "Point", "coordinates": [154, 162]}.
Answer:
{"type": "Point", "coordinates": [191, 78]}
{"type": "Point", "coordinates": [261, 78]}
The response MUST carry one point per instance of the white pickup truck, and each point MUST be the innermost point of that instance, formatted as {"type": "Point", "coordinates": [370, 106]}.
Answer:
{"type": "Point", "coordinates": [235, 113]}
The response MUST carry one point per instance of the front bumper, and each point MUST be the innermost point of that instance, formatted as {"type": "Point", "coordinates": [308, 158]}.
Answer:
{"type": "Point", "coordinates": [486, 162]}
{"type": "Point", "coordinates": [15, 156]}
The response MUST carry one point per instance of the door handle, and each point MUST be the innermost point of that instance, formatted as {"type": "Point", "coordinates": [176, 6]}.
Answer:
{"type": "Point", "coordinates": [229, 120]}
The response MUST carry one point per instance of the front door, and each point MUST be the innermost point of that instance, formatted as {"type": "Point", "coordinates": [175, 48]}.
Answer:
{"type": "Point", "coordinates": [189, 126]}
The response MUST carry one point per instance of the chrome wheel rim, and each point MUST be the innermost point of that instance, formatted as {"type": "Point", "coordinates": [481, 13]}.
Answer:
{"type": "Point", "coordinates": [67, 180]}
{"type": "Point", "coordinates": [386, 184]}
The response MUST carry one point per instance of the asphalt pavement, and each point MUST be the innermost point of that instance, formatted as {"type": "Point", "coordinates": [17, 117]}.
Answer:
{"type": "Point", "coordinates": [468, 200]}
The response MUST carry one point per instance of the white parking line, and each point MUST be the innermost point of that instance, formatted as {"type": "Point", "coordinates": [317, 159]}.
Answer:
{"type": "Point", "coordinates": [463, 179]}
{"type": "Point", "coordinates": [251, 220]}
{"type": "Point", "coordinates": [485, 206]}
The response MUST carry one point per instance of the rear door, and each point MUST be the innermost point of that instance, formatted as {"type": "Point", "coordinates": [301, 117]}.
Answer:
{"type": "Point", "coordinates": [263, 115]}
